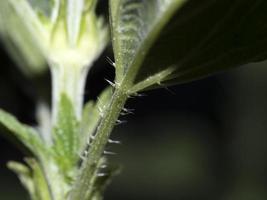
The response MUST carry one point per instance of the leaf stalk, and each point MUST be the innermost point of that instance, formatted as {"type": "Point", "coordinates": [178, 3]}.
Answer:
{"type": "Point", "coordinates": [83, 184]}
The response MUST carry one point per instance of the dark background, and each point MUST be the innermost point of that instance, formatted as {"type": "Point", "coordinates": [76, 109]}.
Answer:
{"type": "Point", "coordinates": [201, 140]}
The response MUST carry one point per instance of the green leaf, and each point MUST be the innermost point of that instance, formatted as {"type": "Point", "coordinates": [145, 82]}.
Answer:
{"type": "Point", "coordinates": [66, 136]}
{"type": "Point", "coordinates": [32, 178]}
{"type": "Point", "coordinates": [192, 41]}
{"type": "Point", "coordinates": [135, 26]}
{"type": "Point", "coordinates": [25, 134]}
{"type": "Point", "coordinates": [103, 181]}
{"type": "Point", "coordinates": [90, 4]}
{"type": "Point", "coordinates": [25, 177]}
{"type": "Point", "coordinates": [20, 44]}
{"type": "Point", "coordinates": [92, 116]}
{"type": "Point", "coordinates": [39, 180]}
{"type": "Point", "coordinates": [74, 17]}
{"type": "Point", "coordinates": [44, 6]}
{"type": "Point", "coordinates": [32, 22]}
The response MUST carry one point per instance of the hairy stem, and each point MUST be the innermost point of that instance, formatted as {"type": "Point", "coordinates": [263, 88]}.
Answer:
{"type": "Point", "coordinates": [84, 184]}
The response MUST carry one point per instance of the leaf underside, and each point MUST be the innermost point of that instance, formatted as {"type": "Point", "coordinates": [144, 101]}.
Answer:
{"type": "Point", "coordinates": [135, 24]}
{"type": "Point", "coordinates": [197, 38]}
{"type": "Point", "coordinates": [92, 116]}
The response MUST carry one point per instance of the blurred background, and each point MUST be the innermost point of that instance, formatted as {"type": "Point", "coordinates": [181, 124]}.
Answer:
{"type": "Point", "coordinates": [205, 140]}
{"type": "Point", "coordinates": [201, 140]}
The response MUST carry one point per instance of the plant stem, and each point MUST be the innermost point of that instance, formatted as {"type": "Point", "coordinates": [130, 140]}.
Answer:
{"type": "Point", "coordinates": [83, 185]}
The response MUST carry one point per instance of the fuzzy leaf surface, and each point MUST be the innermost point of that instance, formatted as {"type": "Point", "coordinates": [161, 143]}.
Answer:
{"type": "Point", "coordinates": [65, 136]}
{"type": "Point", "coordinates": [135, 25]}
{"type": "Point", "coordinates": [25, 134]}
{"type": "Point", "coordinates": [196, 38]}
{"type": "Point", "coordinates": [20, 44]}
{"type": "Point", "coordinates": [24, 174]}
{"type": "Point", "coordinates": [32, 178]}
{"type": "Point", "coordinates": [92, 116]}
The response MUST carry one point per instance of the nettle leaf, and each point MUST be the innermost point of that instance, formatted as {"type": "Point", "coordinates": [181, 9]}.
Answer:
{"type": "Point", "coordinates": [32, 21]}
{"type": "Point", "coordinates": [74, 17]}
{"type": "Point", "coordinates": [66, 135]}
{"type": "Point", "coordinates": [103, 181]}
{"type": "Point", "coordinates": [25, 134]}
{"type": "Point", "coordinates": [43, 6]}
{"type": "Point", "coordinates": [92, 114]}
{"type": "Point", "coordinates": [135, 25]}
{"type": "Point", "coordinates": [20, 44]}
{"type": "Point", "coordinates": [174, 41]}
{"type": "Point", "coordinates": [32, 178]}
{"type": "Point", "coordinates": [24, 175]}
{"type": "Point", "coordinates": [40, 185]}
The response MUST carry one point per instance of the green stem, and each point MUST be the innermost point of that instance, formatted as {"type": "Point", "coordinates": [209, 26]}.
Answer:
{"type": "Point", "coordinates": [83, 184]}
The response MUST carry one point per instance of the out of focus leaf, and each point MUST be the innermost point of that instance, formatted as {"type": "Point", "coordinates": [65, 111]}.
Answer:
{"type": "Point", "coordinates": [25, 134]}
{"type": "Point", "coordinates": [65, 136]}
{"type": "Point", "coordinates": [43, 6]}
{"type": "Point", "coordinates": [19, 42]}
{"type": "Point", "coordinates": [74, 17]}
{"type": "Point", "coordinates": [39, 180]}
{"type": "Point", "coordinates": [92, 116]}
{"type": "Point", "coordinates": [32, 178]}
{"type": "Point", "coordinates": [24, 175]}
